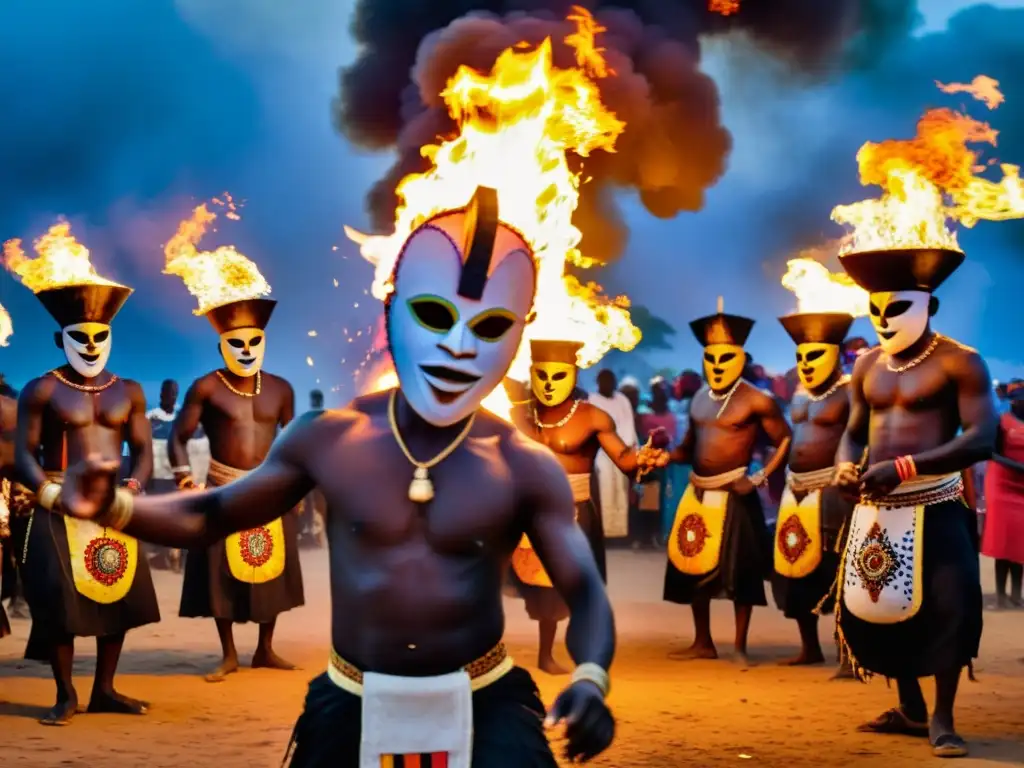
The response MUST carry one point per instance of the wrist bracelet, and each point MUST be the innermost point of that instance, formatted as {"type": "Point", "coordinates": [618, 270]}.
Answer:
{"type": "Point", "coordinates": [48, 494]}
{"type": "Point", "coordinates": [120, 512]}
{"type": "Point", "coordinates": [593, 673]}
{"type": "Point", "coordinates": [186, 482]}
{"type": "Point", "coordinates": [184, 469]}
{"type": "Point", "coordinates": [133, 485]}
{"type": "Point", "coordinates": [905, 468]}
{"type": "Point", "coordinates": [757, 479]}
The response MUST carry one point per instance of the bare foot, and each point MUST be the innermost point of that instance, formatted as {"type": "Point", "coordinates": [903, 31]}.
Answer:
{"type": "Point", "coordinates": [267, 659]}
{"type": "Point", "coordinates": [695, 651]}
{"type": "Point", "coordinates": [743, 660]}
{"type": "Point", "coordinates": [115, 703]}
{"type": "Point", "coordinates": [806, 658]}
{"type": "Point", "coordinates": [551, 666]}
{"type": "Point", "coordinates": [226, 667]}
{"type": "Point", "coordinates": [61, 713]}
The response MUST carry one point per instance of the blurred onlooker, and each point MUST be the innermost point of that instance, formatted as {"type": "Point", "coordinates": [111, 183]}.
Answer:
{"type": "Point", "coordinates": [161, 419]}
{"type": "Point", "coordinates": [1003, 537]}
{"type": "Point", "coordinates": [660, 426]}
{"type": "Point", "coordinates": [312, 530]}
{"type": "Point", "coordinates": [613, 485]}
{"type": "Point", "coordinates": [9, 539]}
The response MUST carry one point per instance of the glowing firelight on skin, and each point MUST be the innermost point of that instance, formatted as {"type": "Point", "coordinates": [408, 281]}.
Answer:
{"type": "Point", "coordinates": [60, 261]}
{"type": "Point", "coordinates": [6, 326]}
{"type": "Point", "coordinates": [517, 123]}
{"type": "Point", "coordinates": [930, 183]}
{"type": "Point", "coordinates": [217, 277]}
{"type": "Point", "coordinates": [819, 290]}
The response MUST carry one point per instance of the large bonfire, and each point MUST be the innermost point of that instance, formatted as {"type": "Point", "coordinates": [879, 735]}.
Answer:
{"type": "Point", "coordinates": [517, 124]}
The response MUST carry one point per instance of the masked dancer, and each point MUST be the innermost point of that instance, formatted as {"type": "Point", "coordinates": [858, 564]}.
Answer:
{"type": "Point", "coordinates": [719, 545]}
{"type": "Point", "coordinates": [575, 430]}
{"type": "Point", "coordinates": [427, 496]}
{"type": "Point", "coordinates": [80, 579]}
{"type": "Point", "coordinates": [813, 513]}
{"type": "Point", "coordinates": [922, 412]}
{"type": "Point", "coordinates": [252, 575]}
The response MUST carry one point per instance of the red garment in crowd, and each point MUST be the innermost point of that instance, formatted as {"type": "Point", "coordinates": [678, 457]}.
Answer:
{"type": "Point", "coordinates": [1004, 496]}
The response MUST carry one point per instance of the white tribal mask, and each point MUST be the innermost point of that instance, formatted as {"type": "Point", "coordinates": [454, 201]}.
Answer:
{"type": "Point", "coordinates": [243, 350]}
{"type": "Point", "coordinates": [87, 347]}
{"type": "Point", "coordinates": [451, 351]}
{"type": "Point", "coordinates": [900, 318]}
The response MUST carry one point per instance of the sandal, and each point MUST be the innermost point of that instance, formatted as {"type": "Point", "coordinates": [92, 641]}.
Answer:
{"type": "Point", "coordinates": [894, 722]}
{"type": "Point", "coordinates": [949, 745]}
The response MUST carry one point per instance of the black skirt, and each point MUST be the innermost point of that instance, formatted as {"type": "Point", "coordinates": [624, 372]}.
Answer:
{"type": "Point", "coordinates": [508, 729]}
{"type": "Point", "coordinates": [744, 564]}
{"type": "Point", "coordinates": [797, 598]}
{"type": "Point", "coordinates": [58, 609]}
{"type": "Point", "coordinates": [209, 590]}
{"type": "Point", "coordinates": [945, 633]}
{"type": "Point", "coordinates": [544, 603]}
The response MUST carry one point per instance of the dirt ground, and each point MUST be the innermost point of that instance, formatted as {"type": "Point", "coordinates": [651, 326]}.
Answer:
{"type": "Point", "coordinates": [669, 713]}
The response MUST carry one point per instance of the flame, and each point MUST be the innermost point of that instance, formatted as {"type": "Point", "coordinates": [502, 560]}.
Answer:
{"type": "Point", "coordinates": [216, 277]}
{"type": "Point", "coordinates": [819, 290]}
{"type": "Point", "coordinates": [517, 123]}
{"type": "Point", "coordinates": [929, 184]}
{"type": "Point", "coordinates": [982, 88]}
{"type": "Point", "coordinates": [60, 261]}
{"type": "Point", "coordinates": [724, 7]}
{"type": "Point", "coordinates": [6, 326]}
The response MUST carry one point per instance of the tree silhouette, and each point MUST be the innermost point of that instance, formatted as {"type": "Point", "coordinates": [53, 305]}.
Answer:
{"type": "Point", "coordinates": [656, 331]}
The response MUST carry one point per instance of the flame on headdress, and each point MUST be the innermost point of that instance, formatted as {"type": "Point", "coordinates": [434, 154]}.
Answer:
{"type": "Point", "coordinates": [60, 261]}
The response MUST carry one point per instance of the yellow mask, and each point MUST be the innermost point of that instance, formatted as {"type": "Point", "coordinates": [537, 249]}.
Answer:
{"type": "Point", "coordinates": [723, 364]}
{"type": "Point", "coordinates": [552, 383]}
{"type": "Point", "coordinates": [815, 363]}
{"type": "Point", "coordinates": [243, 350]}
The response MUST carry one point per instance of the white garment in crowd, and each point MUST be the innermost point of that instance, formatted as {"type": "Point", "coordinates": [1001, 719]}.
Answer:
{"type": "Point", "coordinates": [613, 485]}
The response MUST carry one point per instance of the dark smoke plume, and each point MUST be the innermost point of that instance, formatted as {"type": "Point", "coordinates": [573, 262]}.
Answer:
{"type": "Point", "coordinates": [674, 147]}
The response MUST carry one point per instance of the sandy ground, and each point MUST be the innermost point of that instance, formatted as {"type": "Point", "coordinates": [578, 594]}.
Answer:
{"type": "Point", "coordinates": [669, 713]}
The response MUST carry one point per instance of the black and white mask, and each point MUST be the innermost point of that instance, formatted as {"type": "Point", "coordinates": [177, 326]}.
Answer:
{"type": "Point", "coordinates": [87, 347]}
{"type": "Point", "coordinates": [243, 350]}
{"type": "Point", "coordinates": [900, 318]}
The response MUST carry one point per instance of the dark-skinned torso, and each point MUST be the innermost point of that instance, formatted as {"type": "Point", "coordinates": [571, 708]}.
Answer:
{"type": "Point", "coordinates": [8, 423]}
{"type": "Point", "coordinates": [723, 439]}
{"type": "Point", "coordinates": [817, 428]}
{"type": "Point", "coordinates": [240, 429]}
{"type": "Point", "coordinates": [575, 443]}
{"type": "Point", "coordinates": [416, 589]}
{"type": "Point", "coordinates": [58, 422]}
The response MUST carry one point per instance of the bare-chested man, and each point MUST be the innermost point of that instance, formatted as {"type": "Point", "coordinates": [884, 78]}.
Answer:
{"type": "Point", "coordinates": [255, 575]}
{"type": "Point", "coordinates": [921, 413]}
{"type": "Point", "coordinates": [813, 513]}
{"type": "Point", "coordinates": [427, 497]}
{"type": "Point", "coordinates": [8, 570]}
{"type": "Point", "coordinates": [575, 430]}
{"type": "Point", "coordinates": [719, 546]}
{"type": "Point", "coordinates": [81, 579]}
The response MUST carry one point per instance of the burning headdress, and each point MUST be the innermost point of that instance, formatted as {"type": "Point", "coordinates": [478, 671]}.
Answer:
{"type": "Point", "coordinates": [228, 286]}
{"type": "Point", "coordinates": [6, 326]}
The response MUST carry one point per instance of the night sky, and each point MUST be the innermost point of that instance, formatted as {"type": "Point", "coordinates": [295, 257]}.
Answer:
{"type": "Point", "coordinates": [122, 115]}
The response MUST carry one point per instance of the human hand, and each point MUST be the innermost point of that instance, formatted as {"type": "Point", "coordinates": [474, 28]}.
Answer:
{"type": "Point", "coordinates": [743, 486]}
{"type": "Point", "coordinates": [847, 478]}
{"type": "Point", "coordinates": [881, 479]}
{"type": "Point", "coordinates": [88, 487]}
{"type": "Point", "coordinates": [589, 725]}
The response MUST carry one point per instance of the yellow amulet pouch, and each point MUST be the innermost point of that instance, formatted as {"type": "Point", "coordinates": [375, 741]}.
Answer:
{"type": "Point", "coordinates": [695, 543]}
{"type": "Point", "coordinates": [103, 561]}
{"type": "Point", "coordinates": [525, 563]}
{"type": "Point", "coordinates": [798, 540]}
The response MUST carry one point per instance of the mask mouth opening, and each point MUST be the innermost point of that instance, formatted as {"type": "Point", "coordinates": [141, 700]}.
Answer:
{"type": "Point", "coordinates": [444, 398]}
{"type": "Point", "coordinates": [807, 372]}
{"type": "Point", "coordinates": [246, 360]}
{"type": "Point", "coordinates": [450, 375]}
{"type": "Point", "coordinates": [887, 334]}
{"type": "Point", "coordinates": [89, 359]}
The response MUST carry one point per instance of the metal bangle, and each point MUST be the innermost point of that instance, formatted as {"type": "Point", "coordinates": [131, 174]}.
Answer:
{"type": "Point", "coordinates": [183, 469]}
{"type": "Point", "coordinates": [119, 513]}
{"type": "Point", "coordinates": [48, 494]}
{"type": "Point", "coordinates": [593, 673]}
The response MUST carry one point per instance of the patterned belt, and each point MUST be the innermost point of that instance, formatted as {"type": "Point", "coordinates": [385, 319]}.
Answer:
{"type": "Point", "coordinates": [805, 482]}
{"type": "Point", "coordinates": [922, 492]}
{"type": "Point", "coordinates": [580, 485]}
{"type": "Point", "coordinates": [489, 668]}
{"type": "Point", "coordinates": [717, 481]}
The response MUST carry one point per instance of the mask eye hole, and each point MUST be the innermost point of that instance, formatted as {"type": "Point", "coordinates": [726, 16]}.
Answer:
{"type": "Point", "coordinates": [434, 313]}
{"type": "Point", "coordinates": [542, 375]}
{"type": "Point", "coordinates": [81, 338]}
{"type": "Point", "coordinates": [256, 341]}
{"type": "Point", "coordinates": [799, 357]}
{"type": "Point", "coordinates": [237, 343]}
{"type": "Point", "coordinates": [897, 308]}
{"type": "Point", "coordinates": [100, 337]}
{"type": "Point", "coordinates": [708, 357]}
{"type": "Point", "coordinates": [492, 325]}
{"type": "Point", "coordinates": [815, 354]}
{"type": "Point", "coordinates": [559, 376]}
{"type": "Point", "coordinates": [875, 311]}
{"type": "Point", "coordinates": [726, 358]}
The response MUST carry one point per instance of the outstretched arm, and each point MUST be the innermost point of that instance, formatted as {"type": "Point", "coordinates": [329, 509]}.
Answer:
{"type": "Point", "coordinates": [185, 425]}
{"type": "Point", "coordinates": [549, 513]}
{"type": "Point", "coordinates": [31, 405]}
{"type": "Point", "coordinates": [139, 436]}
{"type": "Point", "coordinates": [978, 419]}
{"type": "Point", "coordinates": [188, 520]}
{"type": "Point", "coordinates": [624, 456]}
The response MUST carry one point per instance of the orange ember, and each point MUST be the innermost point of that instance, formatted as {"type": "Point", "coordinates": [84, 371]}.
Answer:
{"type": "Point", "coordinates": [724, 7]}
{"type": "Point", "coordinates": [930, 183]}
{"type": "Point", "coordinates": [60, 261]}
{"type": "Point", "coordinates": [982, 88]}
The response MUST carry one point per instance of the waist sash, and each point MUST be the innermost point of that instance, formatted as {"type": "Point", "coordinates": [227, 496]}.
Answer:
{"type": "Point", "coordinates": [798, 535]}
{"type": "Point", "coordinates": [525, 561]}
{"type": "Point", "coordinates": [417, 716]}
{"type": "Point", "coordinates": [882, 565]}
{"type": "Point", "coordinates": [695, 543]}
{"type": "Point", "coordinates": [257, 555]}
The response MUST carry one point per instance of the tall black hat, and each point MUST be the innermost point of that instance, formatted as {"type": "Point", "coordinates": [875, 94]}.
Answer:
{"type": "Point", "coordinates": [84, 303]}
{"type": "Point", "coordinates": [905, 269]}
{"type": "Point", "coordinates": [817, 327]}
{"type": "Point", "coordinates": [721, 328]}
{"type": "Point", "coordinates": [244, 313]}
{"type": "Point", "coordinates": [551, 351]}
